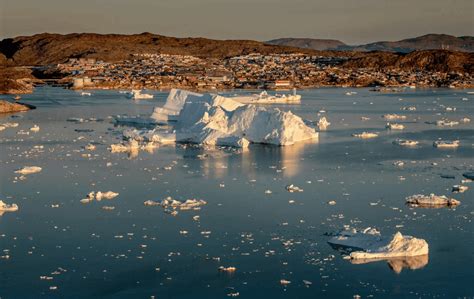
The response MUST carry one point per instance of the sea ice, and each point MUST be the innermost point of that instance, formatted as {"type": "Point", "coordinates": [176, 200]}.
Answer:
{"type": "Point", "coordinates": [393, 116]}
{"type": "Point", "coordinates": [395, 126]}
{"type": "Point", "coordinates": [432, 200]}
{"type": "Point", "coordinates": [365, 135]}
{"type": "Point", "coordinates": [4, 207]}
{"type": "Point", "coordinates": [405, 142]}
{"type": "Point", "coordinates": [29, 170]}
{"type": "Point", "coordinates": [446, 144]}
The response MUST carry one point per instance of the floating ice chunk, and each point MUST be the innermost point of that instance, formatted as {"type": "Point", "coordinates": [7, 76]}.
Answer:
{"type": "Point", "coordinates": [35, 128]}
{"type": "Point", "coordinates": [292, 188]}
{"type": "Point", "coordinates": [4, 207]}
{"type": "Point", "coordinates": [227, 269]}
{"type": "Point", "coordinates": [99, 196]}
{"type": "Point", "coordinates": [365, 135]}
{"type": "Point", "coordinates": [90, 147]}
{"type": "Point", "coordinates": [409, 108]}
{"type": "Point", "coordinates": [446, 144]}
{"type": "Point", "coordinates": [446, 123]}
{"type": "Point", "coordinates": [405, 142]}
{"type": "Point", "coordinates": [373, 246]}
{"type": "Point", "coordinates": [393, 116]}
{"type": "Point", "coordinates": [331, 202]}
{"type": "Point", "coordinates": [395, 126]}
{"type": "Point", "coordinates": [459, 188]}
{"type": "Point", "coordinates": [432, 200]}
{"type": "Point", "coordinates": [323, 124]}
{"type": "Point", "coordinates": [365, 118]}
{"type": "Point", "coordinates": [8, 125]}
{"type": "Point", "coordinates": [29, 170]}
{"type": "Point", "coordinates": [105, 195]}
{"type": "Point", "coordinates": [88, 94]}
{"type": "Point", "coordinates": [170, 203]}
{"type": "Point", "coordinates": [129, 146]}
{"type": "Point", "coordinates": [465, 120]}
{"type": "Point", "coordinates": [284, 282]}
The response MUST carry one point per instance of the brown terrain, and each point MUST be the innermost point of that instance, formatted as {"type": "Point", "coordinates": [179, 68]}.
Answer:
{"type": "Point", "coordinates": [46, 49]}
{"type": "Point", "coordinates": [9, 107]}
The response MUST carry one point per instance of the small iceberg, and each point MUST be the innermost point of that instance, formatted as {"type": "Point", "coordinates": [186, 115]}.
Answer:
{"type": "Point", "coordinates": [432, 200]}
{"type": "Point", "coordinates": [459, 189]}
{"type": "Point", "coordinates": [393, 116]}
{"type": "Point", "coordinates": [392, 126]}
{"type": "Point", "coordinates": [137, 94]}
{"type": "Point", "coordinates": [365, 135]}
{"type": "Point", "coordinates": [99, 196]}
{"type": "Point", "coordinates": [29, 170]}
{"type": "Point", "coordinates": [323, 124]}
{"type": "Point", "coordinates": [4, 207]}
{"type": "Point", "coordinates": [370, 244]}
{"type": "Point", "coordinates": [405, 142]}
{"type": "Point", "coordinates": [446, 144]}
{"type": "Point", "coordinates": [265, 98]}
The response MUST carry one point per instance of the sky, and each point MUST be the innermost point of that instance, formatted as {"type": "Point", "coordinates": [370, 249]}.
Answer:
{"type": "Point", "coordinates": [352, 21]}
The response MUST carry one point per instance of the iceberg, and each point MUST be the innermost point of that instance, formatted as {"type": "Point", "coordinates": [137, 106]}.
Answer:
{"type": "Point", "coordinates": [215, 120]}
{"type": "Point", "coordinates": [370, 244]}
{"type": "Point", "coordinates": [446, 144]}
{"type": "Point", "coordinates": [265, 98]}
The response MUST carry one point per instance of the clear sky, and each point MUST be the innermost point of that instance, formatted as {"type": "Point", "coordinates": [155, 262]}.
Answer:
{"type": "Point", "coordinates": [352, 21]}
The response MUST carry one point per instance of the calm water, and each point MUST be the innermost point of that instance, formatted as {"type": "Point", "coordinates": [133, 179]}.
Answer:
{"type": "Point", "coordinates": [92, 252]}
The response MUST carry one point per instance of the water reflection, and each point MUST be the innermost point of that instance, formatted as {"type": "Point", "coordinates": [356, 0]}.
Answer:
{"type": "Point", "coordinates": [399, 263]}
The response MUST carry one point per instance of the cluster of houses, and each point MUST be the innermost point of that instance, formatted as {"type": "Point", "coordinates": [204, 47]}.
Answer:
{"type": "Point", "coordinates": [277, 71]}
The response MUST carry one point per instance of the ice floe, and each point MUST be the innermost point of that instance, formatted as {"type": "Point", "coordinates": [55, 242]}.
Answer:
{"type": "Point", "coordinates": [405, 142]}
{"type": "Point", "coordinates": [432, 200]}
{"type": "Point", "coordinates": [99, 196]}
{"type": "Point", "coordinates": [393, 116]}
{"type": "Point", "coordinates": [365, 135]}
{"type": "Point", "coordinates": [28, 170]}
{"type": "Point", "coordinates": [4, 207]}
{"type": "Point", "coordinates": [393, 126]}
{"type": "Point", "coordinates": [171, 205]}
{"type": "Point", "coordinates": [446, 144]}
{"type": "Point", "coordinates": [459, 188]}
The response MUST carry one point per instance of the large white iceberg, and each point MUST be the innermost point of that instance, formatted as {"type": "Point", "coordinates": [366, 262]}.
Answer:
{"type": "Point", "coordinates": [216, 120]}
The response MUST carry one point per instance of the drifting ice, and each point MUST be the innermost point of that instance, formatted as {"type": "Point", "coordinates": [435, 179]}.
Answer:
{"type": "Point", "coordinates": [374, 246]}
{"type": "Point", "coordinates": [29, 170]}
{"type": "Point", "coordinates": [432, 200]}
{"type": "Point", "coordinates": [216, 120]}
{"type": "Point", "coordinates": [4, 207]}
{"type": "Point", "coordinates": [365, 135]}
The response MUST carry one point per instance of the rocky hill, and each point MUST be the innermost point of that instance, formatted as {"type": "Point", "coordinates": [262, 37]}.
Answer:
{"type": "Point", "coordinates": [425, 42]}
{"type": "Point", "coordinates": [42, 49]}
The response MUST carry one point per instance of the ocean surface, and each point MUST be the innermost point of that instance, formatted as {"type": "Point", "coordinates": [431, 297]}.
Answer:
{"type": "Point", "coordinates": [54, 246]}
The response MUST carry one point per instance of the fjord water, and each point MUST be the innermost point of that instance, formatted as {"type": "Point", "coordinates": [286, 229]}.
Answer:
{"type": "Point", "coordinates": [137, 251]}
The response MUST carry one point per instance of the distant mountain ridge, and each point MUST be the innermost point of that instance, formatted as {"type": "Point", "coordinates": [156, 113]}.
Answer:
{"type": "Point", "coordinates": [424, 42]}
